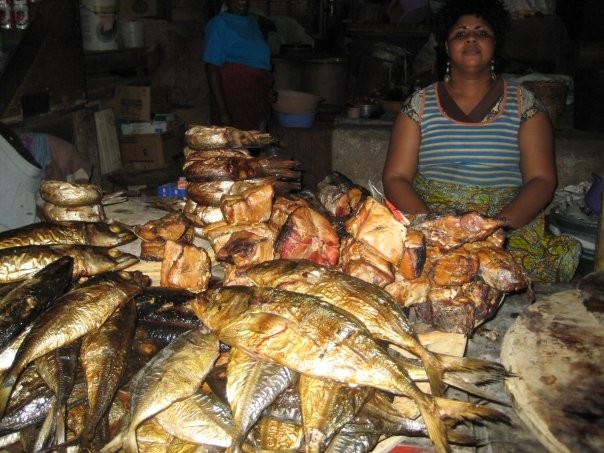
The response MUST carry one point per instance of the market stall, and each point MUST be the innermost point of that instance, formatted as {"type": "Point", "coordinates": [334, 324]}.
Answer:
{"type": "Point", "coordinates": [242, 310]}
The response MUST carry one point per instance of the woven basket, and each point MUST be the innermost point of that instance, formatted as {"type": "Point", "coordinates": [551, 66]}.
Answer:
{"type": "Point", "coordinates": [553, 95]}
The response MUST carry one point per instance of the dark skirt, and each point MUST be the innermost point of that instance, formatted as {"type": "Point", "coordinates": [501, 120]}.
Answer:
{"type": "Point", "coordinates": [544, 256]}
{"type": "Point", "coordinates": [247, 94]}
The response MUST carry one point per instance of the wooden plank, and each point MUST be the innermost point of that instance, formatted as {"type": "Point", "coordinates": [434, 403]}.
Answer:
{"type": "Point", "coordinates": [556, 348]}
{"type": "Point", "coordinates": [85, 140]}
{"type": "Point", "coordinates": [108, 145]}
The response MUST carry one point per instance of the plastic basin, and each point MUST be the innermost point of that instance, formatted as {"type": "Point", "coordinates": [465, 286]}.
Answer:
{"type": "Point", "coordinates": [296, 102]}
{"type": "Point", "coordinates": [296, 120]}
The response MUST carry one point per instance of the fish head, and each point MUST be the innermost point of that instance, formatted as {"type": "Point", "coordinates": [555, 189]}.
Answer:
{"type": "Point", "coordinates": [220, 306]}
{"type": "Point", "coordinates": [108, 234]}
{"type": "Point", "coordinates": [137, 278]}
{"type": "Point", "coordinates": [92, 260]}
{"type": "Point", "coordinates": [274, 272]}
{"type": "Point", "coordinates": [131, 282]}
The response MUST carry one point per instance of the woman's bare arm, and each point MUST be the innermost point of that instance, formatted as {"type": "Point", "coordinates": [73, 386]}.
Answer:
{"type": "Point", "coordinates": [401, 165]}
{"type": "Point", "coordinates": [538, 166]}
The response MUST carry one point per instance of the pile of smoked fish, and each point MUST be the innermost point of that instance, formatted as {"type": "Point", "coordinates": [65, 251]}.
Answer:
{"type": "Point", "coordinates": [295, 347]}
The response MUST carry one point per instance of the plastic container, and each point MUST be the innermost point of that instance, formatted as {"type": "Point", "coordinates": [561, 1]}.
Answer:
{"type": "Point", "coordinates": [296, 102]}
{"type": "Point", "coordinates": [171, 190]}
{"type": "Point", "coordinates": [98, 21]}
{"type": "Point", "coordinates": [21, 14]}
{"type": "Point", "coordinates": [371, 111]}
{"type": "Point", "coordinates": [132, 34]}
{"type": "Point", "coordinates": [296, 120]}
{"type": "Point", "coordinates": [6, 16]}
{"type": "Point", "coordinates": [354, 112]}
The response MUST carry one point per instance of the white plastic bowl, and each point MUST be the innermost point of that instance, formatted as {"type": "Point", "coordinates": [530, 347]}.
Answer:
{"type": "Point", "coordinates": [296, 102]}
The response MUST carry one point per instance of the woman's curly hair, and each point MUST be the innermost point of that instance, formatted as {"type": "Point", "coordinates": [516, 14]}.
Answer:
{"type": "Point", "coordinates": [492, 11]}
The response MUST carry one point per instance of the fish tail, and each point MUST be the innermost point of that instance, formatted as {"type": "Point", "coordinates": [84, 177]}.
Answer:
{"type": "Point", "coordinates": [434, 370]}
{"type": "Point", "coordinates": [114, 444]}
{"type": "Point", "coordinates": [491, 371]}
{"type": "Point", "coordinates": [463, 411]}
{"type": "Point", "coordinates": [471, 388]}
{"type": "Point", "coordinates": [475, 371]}
{"type": "Point", "coordinates": [129, 444]}
{"type": "Point", "coordinates": [60, 434]}
{"type": "Point", "coordinates": [234, 448]}
{"type": "Point", "coordinates": [458, 438]}
{"type": "Point", "coordinates": [435, 427]}
{"type": "Point", "coordinates": [8, 382]}
{"type": "Point", "coordinates": [314, 440]}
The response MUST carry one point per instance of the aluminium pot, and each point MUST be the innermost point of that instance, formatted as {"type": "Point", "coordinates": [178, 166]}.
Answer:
{"type": "Point", "coordinates": [328, 79]}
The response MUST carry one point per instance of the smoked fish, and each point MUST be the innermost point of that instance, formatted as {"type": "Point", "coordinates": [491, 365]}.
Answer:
{"type": "Point", "coordinates": [63, 193]}
{"type": "Point", "coordinates": [103, 354]}
{"type": "Point", "coordinates": [173, 374]}
{"type": "Point", "coordinates": [19, 263]}
{"type": "Point", "coordinates": [73, 315]}
{"type": "Point", "coordinates": [23, 304]}
{"type": "Point", "coordinates": [82, 233]}
{"type": "Point", "coordinates": [200, 137]}
{"type": "Point", "coordinates": [369, 303]}
{"type": "Point", "coordinates": [313, 337]}
{"type": "Point", "coordinates": [252, 385]}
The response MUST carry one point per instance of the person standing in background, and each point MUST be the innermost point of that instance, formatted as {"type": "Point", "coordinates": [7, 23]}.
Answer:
{"type": "Point", "coordinates": [477, 142]}
{"type": "Point", "coordinates": [238, 65]}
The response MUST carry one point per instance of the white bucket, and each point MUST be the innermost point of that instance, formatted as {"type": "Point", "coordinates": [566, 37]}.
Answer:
{"type": "Point", "coordinates": [99, 24]}
{"type": "Point", "coordinates": [133, 34]}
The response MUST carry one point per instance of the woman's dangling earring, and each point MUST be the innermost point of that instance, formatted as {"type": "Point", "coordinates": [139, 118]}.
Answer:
{"type": "Point", "coordinates": [447, 77]}
{"type": "Point", "coordinates": [493, 75]}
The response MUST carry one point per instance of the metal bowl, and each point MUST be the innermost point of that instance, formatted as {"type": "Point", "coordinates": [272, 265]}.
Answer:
{"type": "Point", "coordinates": [371, 111]}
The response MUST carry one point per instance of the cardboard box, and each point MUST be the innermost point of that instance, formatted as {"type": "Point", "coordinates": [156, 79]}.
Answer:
{"type": "Point", "coordinates": [132, 103]}
{"type": "Point", "coordinates": [152, 151]}
{"type": "Point", "coordinates": [161, 123]}
{"type": "Point", "coordinates": [138, 8]}
{"type": "Point", "coordinates": [138, 127]}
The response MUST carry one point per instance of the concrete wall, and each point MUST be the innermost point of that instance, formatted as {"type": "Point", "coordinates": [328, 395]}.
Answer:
{"type": "Point", "coordinates": [359, 151]}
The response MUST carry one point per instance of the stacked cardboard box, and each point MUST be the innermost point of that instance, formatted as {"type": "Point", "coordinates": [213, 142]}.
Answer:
{"type": "Point", "coordinates": [145, 143]}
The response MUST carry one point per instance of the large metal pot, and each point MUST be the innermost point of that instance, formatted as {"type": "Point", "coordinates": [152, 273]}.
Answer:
{"type": "Point", "coordinates": [287, 73]}
{"type": "Point", "coordinates": [328, 79]}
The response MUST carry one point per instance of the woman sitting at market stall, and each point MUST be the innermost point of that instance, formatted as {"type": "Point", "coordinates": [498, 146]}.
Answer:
{"type": "Point", "coordinates": [476, 142]}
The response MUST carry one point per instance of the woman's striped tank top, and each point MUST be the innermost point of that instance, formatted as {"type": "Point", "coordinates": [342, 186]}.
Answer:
{"type": "Point", "coordinates": [478, 154]}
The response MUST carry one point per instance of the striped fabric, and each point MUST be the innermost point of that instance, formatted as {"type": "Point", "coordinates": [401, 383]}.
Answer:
{"type": "Point", "coordinates": [479, 154]}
